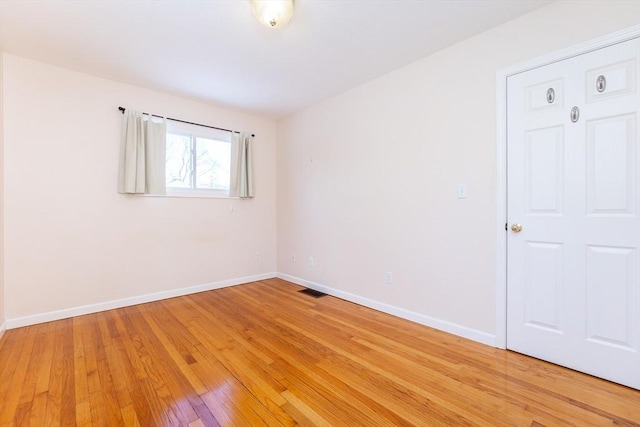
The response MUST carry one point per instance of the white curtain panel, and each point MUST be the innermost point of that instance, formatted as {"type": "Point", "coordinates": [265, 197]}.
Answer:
{"type": "Point", "coordinates": [241, 166]}
{"type": "Point", "coordinates": [142, 154]}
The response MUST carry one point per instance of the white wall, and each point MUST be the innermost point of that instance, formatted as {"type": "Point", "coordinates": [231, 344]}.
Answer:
{"type": "Point", "coordinates": [367, 180]}
{"type": "Point", "coordinates": [71, 240]}
{"type": "Point", "coordinates": [2, 316]}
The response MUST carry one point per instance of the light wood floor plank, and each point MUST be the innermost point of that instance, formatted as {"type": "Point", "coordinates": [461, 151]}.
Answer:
{"type": "Point", "coordinates": [262, 354]}
{"type": "Point", "coordinates": [83, 406]}
{"type": "Point", "coordinates": [14, 374]}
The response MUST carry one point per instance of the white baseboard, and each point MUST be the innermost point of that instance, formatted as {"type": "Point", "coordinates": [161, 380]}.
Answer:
{"type": "Point", "coordinates": [125, 302]}
{"type": "Point", "coordinates": [442, 325]}
{"type": "Point", "coordinates": [3, 329]}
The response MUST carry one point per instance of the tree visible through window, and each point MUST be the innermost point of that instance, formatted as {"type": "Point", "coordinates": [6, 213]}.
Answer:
{"type": "Point", "coordinates": [198, 162]}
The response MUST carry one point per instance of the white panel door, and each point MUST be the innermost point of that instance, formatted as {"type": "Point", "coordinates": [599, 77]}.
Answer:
{"type": "Point", "coordinates": [573, 279]}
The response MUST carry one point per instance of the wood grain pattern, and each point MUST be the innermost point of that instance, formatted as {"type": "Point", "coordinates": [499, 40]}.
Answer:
{"type": "Point", "coordinates": [262, 354]}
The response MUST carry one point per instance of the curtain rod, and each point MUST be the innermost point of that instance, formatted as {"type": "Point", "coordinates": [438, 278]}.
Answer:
{"type": "Point", "coordinates": [122, 109]}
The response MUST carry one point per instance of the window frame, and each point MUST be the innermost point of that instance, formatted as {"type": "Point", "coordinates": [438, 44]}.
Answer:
{"type": "Point", "coordinates": [194, 132]}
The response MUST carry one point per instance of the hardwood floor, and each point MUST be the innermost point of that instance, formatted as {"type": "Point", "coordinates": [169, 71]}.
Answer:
{"type": "Point", "coordinates": [264, 354]}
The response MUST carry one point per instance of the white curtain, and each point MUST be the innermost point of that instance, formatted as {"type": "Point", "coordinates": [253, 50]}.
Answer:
{"type": "Point", "coordinates": [241, 166]}
{"type": "Point", "coordinates": [142, 154]}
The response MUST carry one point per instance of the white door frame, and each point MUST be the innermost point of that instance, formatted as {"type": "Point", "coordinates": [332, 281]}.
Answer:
{"type": "Point", "coordinates": [501, 129]}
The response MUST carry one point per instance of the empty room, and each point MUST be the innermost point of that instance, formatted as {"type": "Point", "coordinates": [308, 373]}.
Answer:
{"type": "Point", "coordinates": [319, 213]}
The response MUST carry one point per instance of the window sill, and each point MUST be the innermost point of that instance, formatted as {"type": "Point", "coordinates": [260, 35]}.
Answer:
{"type": "Point", "coordinates": [194, 194]}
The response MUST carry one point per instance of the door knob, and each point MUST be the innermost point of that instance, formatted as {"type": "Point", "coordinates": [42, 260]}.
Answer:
{"type": "Point", "coordinates": [516, 228]}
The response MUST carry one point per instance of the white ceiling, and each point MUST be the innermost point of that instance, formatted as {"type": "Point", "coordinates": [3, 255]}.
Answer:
{"type": "Point", "coordinates": [215, 51]}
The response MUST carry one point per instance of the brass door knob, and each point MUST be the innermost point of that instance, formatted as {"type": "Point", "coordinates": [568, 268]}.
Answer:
{"type": "Point", "coordinates": [516, 228]}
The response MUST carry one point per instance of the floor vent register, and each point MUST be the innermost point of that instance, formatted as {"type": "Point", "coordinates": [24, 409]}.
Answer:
{"type": "Point", "coordinates": [313, 293]}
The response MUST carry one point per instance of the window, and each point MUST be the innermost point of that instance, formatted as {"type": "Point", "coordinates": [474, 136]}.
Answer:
{"type": "Point", "coordinates": [198, 160]}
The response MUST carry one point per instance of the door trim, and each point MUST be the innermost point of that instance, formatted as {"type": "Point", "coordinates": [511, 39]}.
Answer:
{"type": "Point", "coordinates": [501, 156]}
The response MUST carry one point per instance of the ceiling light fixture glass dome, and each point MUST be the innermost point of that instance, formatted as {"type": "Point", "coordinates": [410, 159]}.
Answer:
{"type": "Point", "coordinates": [273, 13]}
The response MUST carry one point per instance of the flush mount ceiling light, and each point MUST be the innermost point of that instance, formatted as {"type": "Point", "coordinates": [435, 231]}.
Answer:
{"type": "Point", "coordinates": [272, 13]}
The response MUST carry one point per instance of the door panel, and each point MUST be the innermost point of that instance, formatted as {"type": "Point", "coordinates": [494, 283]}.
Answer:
{"type": "Point", "coordinates": [611, 165]}
{"type": "Point", "coordinates": [573, 279]}
{"type": "Point", "coordinates": [543, 285]}
{"type": "Point", "coordinates": [610, 274]}
{"type": "Point", "coordinates": [546, 96]}
{"type": "Point", "coordinates": [544, 171]}
{"type": "Point", "coordinates": [620, 80]}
